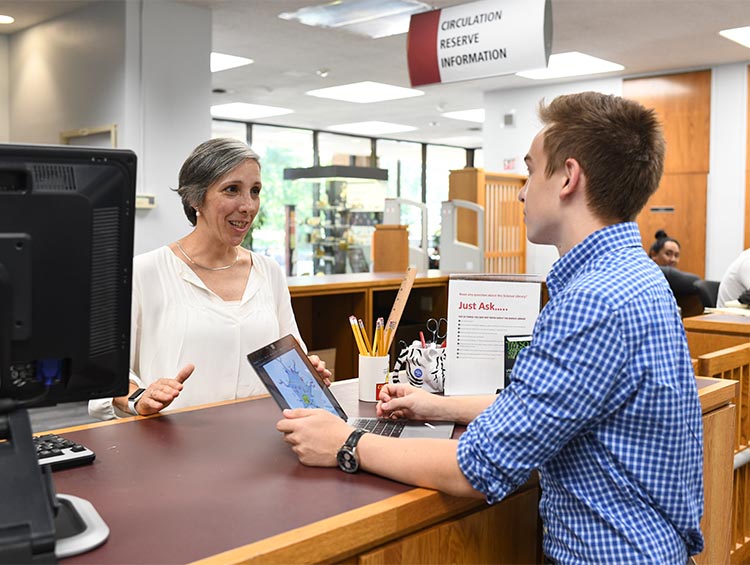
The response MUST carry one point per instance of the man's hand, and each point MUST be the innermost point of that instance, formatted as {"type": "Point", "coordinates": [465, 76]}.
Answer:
{"type": "Point", "coordinates": [320, 366]}
{"type": "Point", "coordinates": [406, 401]}
{"type": "Point", "coordinates": [745, 297]}
{"type": "Point", "coordinates": [162, 393]}
{"type": "Point", "coordinates": [315, 435]}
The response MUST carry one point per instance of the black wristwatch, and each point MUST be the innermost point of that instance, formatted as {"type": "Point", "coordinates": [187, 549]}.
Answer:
{"type": "Point", "coordinates": [347, 456]}
{"type": "Point", "coordinates": [133, 398]}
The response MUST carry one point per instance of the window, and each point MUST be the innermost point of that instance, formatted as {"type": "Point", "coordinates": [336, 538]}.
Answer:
{"type": "Point", "coordinates": [335, 149]}
{"type": "Point", "coordinates": [283, 147]}
{"type": "Point", "coordinates": [403, 159]}
{"type": "Point", "coordinates": [279, 148]}
{"type": "Point", "coordinates": [441, 160]}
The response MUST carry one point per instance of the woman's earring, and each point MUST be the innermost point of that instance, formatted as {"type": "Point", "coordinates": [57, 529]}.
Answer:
{"type": "Point", "coordinates": [197, 212]}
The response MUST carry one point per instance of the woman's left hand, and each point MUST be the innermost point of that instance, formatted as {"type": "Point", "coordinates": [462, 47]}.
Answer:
{"type": "Point", "coordinates": [320, 366]}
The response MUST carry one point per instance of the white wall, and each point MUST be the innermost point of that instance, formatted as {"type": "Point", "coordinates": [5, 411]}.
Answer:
{"type": "Point", "coordinates": [174, 110]}
{"type": "Point", "coordinates": [67, 74]}
{"type": "Point", "coordinates": [4, 91]}
{"type": "Point", "coordinates": [504, 143]}
{"type": "Point", "coordinates": [726, 182]}
{"type": "Point", "coordinates": [142, 65]}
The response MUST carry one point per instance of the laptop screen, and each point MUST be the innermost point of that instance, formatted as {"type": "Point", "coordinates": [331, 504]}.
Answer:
{"type": "Point", "coordinates": [291, 379]}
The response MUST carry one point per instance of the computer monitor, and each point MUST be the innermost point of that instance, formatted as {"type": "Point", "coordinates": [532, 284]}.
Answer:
{"type": "Point", "coordinates": [66, 253]}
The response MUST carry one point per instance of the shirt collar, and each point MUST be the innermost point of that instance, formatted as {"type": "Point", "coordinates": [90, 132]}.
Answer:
{"type": "Point", "coordinates": [595, 246]}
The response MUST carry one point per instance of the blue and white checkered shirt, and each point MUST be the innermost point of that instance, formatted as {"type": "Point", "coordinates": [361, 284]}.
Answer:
{"type": "Point", "coordinates": [604, 403]}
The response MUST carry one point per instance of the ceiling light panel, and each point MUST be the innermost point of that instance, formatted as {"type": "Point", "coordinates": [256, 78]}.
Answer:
{"type": "Point", "coordinates": [222, 62]}
{"type": "Point", "coordinates": [365, 92]}
{"type": "Point", "coordinates": [6, 19]}
{"type": "Point", "coordinates": [739, 35]}
{"type": "Point", "coordinates": [475, 115]}
{"type": "Point", "coordinates": [570, 65]}
{"type": "Point", "coordinates": [244, 111]}
{"type": "Point", "coordinates": [372, 18]}
{"type": "Point", "coordinates": [382, 27]}
{"type": "Point", "coordinates": [370, 128]}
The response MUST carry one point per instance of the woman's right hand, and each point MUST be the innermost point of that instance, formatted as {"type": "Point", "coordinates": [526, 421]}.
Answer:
{"type": "Point", "coordinates": [162, 392]}
{"type": "Point", "coordinates": [406, 401]}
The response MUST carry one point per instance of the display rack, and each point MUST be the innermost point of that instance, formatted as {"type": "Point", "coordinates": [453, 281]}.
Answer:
{"type": "Point", "coordinates": [339, 229]}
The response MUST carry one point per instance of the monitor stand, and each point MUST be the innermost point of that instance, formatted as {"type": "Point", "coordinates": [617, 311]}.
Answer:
{"type": "Point", "coordinates": [36, 525]}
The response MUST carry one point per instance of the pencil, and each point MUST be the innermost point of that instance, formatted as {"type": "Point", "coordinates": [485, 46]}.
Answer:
{"type": "Point", "coordinates": [376, 339]}
{"type": "Point", "coordinates": [365, 337]}
{"type": "Point", "coordinates": [358, 336]}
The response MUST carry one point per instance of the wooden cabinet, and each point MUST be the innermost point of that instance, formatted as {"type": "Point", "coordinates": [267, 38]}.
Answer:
{"type": "Point", "coordinates": [716, 396]}
{"type": "Point", "coordinates": [323, 304]}
{"type": "Point", "coordinates": [390, 248]}
{"type": "Point", "coordinates": [683, 105]}
{"type": "Point", "coordinates": [711, 332]}
{"type": "Point", "coordinates": [503, 533]}
{"type": "Point", "coordinates": [504, 227]}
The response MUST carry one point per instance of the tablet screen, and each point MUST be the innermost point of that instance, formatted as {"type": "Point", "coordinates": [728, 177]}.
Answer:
{"type": "Point", "coordinates": [290, 377]}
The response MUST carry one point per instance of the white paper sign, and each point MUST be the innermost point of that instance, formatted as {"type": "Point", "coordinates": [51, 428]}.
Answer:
{"type": "Point", "coordinates": [480, 314]}
{"type": "Point", "coordinates": [479, 39]}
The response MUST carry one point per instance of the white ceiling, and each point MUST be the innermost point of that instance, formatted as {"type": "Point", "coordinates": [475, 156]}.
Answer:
{"type": "Point", "coordinates": [646, 36]}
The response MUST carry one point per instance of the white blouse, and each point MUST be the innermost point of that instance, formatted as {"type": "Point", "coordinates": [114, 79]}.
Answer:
{"type": "Point", "coordinates": [177, 320]}
{"type": "Point", "coordinates": [736, 280]}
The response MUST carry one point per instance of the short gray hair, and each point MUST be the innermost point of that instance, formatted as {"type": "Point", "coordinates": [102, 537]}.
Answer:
{"type": "Point", "coordinates": [208, 162]}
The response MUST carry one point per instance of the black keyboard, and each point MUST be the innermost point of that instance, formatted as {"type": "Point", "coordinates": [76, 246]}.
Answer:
{"type": "Point", "coordinates": [381, 427]}
{"type": "Point", "coordinates": [61, 453]}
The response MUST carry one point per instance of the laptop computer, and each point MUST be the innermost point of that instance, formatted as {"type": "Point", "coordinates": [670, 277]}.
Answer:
{"type": "Point", "coordinates": [293, 382]}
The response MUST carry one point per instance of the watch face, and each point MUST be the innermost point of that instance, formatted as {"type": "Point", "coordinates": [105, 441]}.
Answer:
{"type": "Point", "coordinates": [347, 460]}
{"type": "Point", "coordinates": [136, 394]}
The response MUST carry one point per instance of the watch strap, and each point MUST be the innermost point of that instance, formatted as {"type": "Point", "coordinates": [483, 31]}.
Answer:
{"type": "Point", "coordinates": [347, 455]}
{"type": "Point", "coordinates": [133, 399]}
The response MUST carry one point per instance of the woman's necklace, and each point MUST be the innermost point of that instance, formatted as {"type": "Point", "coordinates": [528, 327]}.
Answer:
{"type": "Point", "coordinates": [224, 268]}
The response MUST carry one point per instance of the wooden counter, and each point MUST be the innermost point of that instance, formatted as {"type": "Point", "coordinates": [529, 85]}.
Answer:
{"type": "Point", "coordinates": [711, 332]}
{"type": "Point", "coordinates": [217, 484]}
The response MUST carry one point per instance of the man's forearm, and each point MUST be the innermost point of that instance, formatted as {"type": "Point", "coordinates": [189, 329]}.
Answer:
{"type": "Point", "coordinates": [463, 409]}
{"type": "Point", "coordinates": [427, 463]}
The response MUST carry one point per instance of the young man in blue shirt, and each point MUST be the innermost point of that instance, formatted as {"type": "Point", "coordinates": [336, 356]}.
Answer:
{"type": "Point", "coordinates": [603, 402]}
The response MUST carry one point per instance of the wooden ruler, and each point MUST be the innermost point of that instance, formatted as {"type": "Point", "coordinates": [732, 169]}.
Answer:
{"type": "Point", "coordinates": [399, 303]}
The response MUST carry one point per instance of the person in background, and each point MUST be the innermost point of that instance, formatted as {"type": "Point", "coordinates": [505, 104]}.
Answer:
{"type": "Point", "coordinates": [665, 251]}
{"type": "Point", "coordinates": [603, 401]}
{"type": "Point", "coordinates": [735, 284]}
{"type": "Point", "coordinates": [201, 303]}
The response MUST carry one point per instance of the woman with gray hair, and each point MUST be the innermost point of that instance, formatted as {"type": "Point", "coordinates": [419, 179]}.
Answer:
{"type": "Point", "coordinates": [201, 303]}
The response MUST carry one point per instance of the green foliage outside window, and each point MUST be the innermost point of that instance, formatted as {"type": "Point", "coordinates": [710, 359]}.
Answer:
{"type": "Point", "coordinates": [267, 233]}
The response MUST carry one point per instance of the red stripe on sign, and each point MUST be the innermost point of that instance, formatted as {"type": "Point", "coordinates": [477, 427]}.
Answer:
{"type": "Point", "coordinates": [421, 48]}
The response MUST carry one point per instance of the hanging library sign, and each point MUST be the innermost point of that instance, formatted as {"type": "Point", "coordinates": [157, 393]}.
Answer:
{"type": "Point", "coordinates": [478, 40]}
